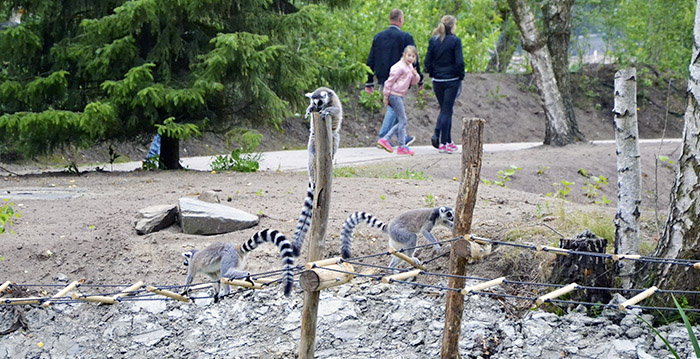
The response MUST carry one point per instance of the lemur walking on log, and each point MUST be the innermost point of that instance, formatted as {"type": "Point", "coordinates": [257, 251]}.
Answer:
{"type": "Point", "coordinates": [403, 229]}
{"type": "Point", "coordinates": [325, 101]}
{"type": "Point", "coordinates": [228, 260]}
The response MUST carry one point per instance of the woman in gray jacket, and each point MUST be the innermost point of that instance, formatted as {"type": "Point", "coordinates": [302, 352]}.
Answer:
{"type": "Point", "coordinates": [444, 62]}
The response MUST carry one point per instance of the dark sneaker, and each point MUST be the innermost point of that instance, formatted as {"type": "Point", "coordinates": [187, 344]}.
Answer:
{"type": "Point", "coordinates": [409, 140]}
{"type": "Point", "coordinates": [434, 141]}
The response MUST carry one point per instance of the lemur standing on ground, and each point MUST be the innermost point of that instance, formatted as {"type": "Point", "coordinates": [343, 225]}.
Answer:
{"type": "Point", "coordinates": [402, 230]}
{"type": "Point", "coordinates": [228, 260]}
{"type": "Point", "coordinates": [325, 101]}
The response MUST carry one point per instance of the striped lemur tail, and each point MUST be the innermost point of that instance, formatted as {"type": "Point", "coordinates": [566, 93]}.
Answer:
{"type": "Point", "coordinates": [349, 228]}
{"type": "Point", "coordinates": [304, 220]}
{"type": "Point", "coordinates": [287, 252]}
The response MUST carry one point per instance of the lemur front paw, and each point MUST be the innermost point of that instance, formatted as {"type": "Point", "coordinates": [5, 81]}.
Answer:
{"type": "Point", "coordinates": [437, 248]}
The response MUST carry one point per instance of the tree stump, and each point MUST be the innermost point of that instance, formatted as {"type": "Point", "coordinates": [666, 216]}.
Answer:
{"type": "Point", "coordinates": [582, 269]}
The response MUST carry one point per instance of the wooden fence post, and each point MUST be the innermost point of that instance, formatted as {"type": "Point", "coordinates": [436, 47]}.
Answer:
{"type": "Point", "coordinates": [472, 148]}
{"type": "Point", "coordinates": [319, 221]}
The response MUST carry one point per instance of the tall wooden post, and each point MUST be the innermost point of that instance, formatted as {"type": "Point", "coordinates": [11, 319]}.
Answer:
{"type": "Point", "coordinates": [472, 147]}
{"type": "Point", "coordinates": [319, 221]}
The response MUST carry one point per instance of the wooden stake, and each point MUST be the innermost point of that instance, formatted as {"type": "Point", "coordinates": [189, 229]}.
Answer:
{"type": "Point", "coordinates": [319, 220]}
{"type": "Point", "coordinates": [4, 286]}
{"type": "Point", "coordinates": [241, 283]}
{"type": "Point", "coordinates": [555, 250]}
{"type": "Point", "coordinates": [406, 258]}
{"type": "Point", "coordinates": [484, 285]}
{"type": "Point", "coordinates": [323, 263]}
{"type": "Point", "coordinates": [128, 291]}
{"type": "Point", "coordinates": [167, 293]}
{"type": "Point", "coordinates": [63, 292]}
{"type": "Point", "coordinates": [556, 293]}
{"type": "Point", "coordinates": [94, 298]}
{"type": "Point", "coordinates": [401, 276]}
{"type": "Point", "coordinates": [617, 257]}
{"type": "Point", "coordinates": [638, 298]}
{"type": "Point", "coordinates": [320, 278]}
{"type": "Point", "coordinates": [472, 148]}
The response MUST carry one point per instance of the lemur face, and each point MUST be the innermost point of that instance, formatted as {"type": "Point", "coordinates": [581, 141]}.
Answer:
{"type": "Point", "coordinates": [320, 99]}
{"type": "Point", "coordinates": [447, 216]}
{"type": "Point", "coordinates": [188, 256]}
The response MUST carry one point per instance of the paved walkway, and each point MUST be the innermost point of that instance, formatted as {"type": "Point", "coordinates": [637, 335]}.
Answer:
{"type": "Point", "coordinates": [296, 160]}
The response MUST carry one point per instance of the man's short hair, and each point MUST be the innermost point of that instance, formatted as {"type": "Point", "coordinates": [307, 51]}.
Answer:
{"type": "Point", "coordinates": [395, 15]}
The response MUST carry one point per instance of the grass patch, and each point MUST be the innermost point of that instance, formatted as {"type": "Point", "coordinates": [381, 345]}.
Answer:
{"type": "Point", "coordinates": [344, 172]}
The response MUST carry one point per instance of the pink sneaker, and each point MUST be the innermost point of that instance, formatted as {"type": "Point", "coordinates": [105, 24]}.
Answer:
{"type": "Point", "coordinates": [384, 143]}
{"type": "Point", "coordinates": [452, 147]}
{"type": "Point", "coordinates": [443, 149]}
{"type": "Point", "coordinates": [405, 151]}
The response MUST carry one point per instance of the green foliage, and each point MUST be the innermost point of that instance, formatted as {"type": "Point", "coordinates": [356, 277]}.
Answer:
{"type": "Point", "coordinates": [691, 335]}
{"type": "Point", "coordinates": [7, 215]}
{"type": "Point", "coordinates": [411, 174]}
{"type": "Point", "coordinates": [344, 172]}
{"type": "Point", "coordinates": [430, 200]}
{"type": "Point", "coordinates": [151, 163]}
{"type": "Point", "coordinates": [372, 102]}
{"type": "Point", "coordinates": [503, 176]}
{"type": "Point", "coordinates": [563, 188]}
{"type": "Point", "coordinates": [241, 159]}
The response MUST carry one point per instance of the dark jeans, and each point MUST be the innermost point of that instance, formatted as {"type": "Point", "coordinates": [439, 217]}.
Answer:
{"type": "Point", "coordinates": [446, 93]}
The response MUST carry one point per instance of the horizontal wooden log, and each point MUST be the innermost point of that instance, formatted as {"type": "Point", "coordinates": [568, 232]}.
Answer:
{"type": "Point", "coordinates": [320, 278]}
{"type": "Point", "coordinates": [406, 258]}
{"type": "Point", "coordinates": [167, 293]}
{"type": "Point", "coordinates": [401, 276]}
{"type": "Point", "coordinates": [638, 298]}
{"type": "Point", "coordinates": [484, 285]}
{"type": "Point", "coordinates": [94, 298]}
{"type": "Point", "coordinates": [323, 262]}
{"type": "Point", "coordinates": [4, 286]}
{"type": "Point", "coordinates": [556, 293]}
{"type": "Point", "coordinates": [28, 300]}
{"type": "Point", "coordinates": [63, 292]}
{"type": "Point", "coordinates": [555, 250]}
{"type": "Point", "coordinates": [617, 257]}
{"type": "Point", "coordinates": [128, 291]}
{"type": "Point", "coordinates": [241, 283]}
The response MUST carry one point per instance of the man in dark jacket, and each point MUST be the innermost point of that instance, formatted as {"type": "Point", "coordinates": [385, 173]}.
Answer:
{"type": "Point", "coordinates": [387, 49]}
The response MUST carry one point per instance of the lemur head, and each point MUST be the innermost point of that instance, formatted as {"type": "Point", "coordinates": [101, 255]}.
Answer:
{"type": "Point", "coordinates": [446, 216]}
{"type": "Point", "coordinates": [188, 256]}
{"type": "Point", "coordinates": [321, 98]}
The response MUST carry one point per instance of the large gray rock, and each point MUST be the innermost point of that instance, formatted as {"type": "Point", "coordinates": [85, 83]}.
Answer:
{"type": "Point", "coordinates": [199, 217]}
{"type": "Point", "coordinates": [155, 218]}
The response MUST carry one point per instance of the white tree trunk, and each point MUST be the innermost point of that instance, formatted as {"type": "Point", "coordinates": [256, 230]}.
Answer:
{"type": "Point", "coordinates": [558, 130]}
{"type": "Point", "coordinates": [629, 177]}
{"type": "Point", "coordinates": [681, 237]}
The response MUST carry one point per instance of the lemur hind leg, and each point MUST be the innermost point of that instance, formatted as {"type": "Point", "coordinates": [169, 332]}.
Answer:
{"type": "Point", "coordinates": [401, 239]}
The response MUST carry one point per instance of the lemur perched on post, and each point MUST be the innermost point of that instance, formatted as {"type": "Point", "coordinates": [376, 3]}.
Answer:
{"type": "Point", "coordinates": [228, 260]}
{"type": "Point", "coordinates": [325, 101]}
{"type": "Point", "coordinates": [403, 229]}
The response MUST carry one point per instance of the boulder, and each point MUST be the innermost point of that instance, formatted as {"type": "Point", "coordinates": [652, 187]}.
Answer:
{"type": "Point", "coordinates": [155, 218]}
{"type": "Point", "coordinates": [199, 217]}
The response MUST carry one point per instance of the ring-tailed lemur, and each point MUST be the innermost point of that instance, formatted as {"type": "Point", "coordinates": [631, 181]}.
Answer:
{"type": "Point", "coordinates": [403, 229]}
{"type": "Point", "coordinates": [227, 260]}
{"type": "Point", "coordinates": [325, 101]}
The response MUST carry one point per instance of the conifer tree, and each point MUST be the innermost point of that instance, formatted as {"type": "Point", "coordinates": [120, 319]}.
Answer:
{"type": "Point", "coordinates": [79, 72]}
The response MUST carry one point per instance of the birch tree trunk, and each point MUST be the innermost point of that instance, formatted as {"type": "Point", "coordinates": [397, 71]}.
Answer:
{"type": "Point", "coordinates": [629, 176]}
{"type": "Point", "coordinates": [559, 129]}
{"type": "Point", "coordinates": [681, 237]}
{"type": "Point", "coordinates": [556, 16]}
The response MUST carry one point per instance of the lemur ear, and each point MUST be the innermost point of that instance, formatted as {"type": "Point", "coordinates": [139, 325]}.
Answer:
{"type": "Point", "coordinates": [309, 94]}
{"type": "Point", "coordinates": [187, 254]}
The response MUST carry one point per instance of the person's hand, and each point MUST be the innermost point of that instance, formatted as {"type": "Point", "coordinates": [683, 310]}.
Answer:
{"type": "Point", "coordinates": [386, 101]}
{"type": "Point", "coordinates": [420, 86]}
{"type": "Point", "coordinates": [369, 89]}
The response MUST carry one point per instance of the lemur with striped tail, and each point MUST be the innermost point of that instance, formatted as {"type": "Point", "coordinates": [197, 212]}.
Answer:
{"type": "Point", "coordinates": [403, 229]}
{"type": "Point", "coordinates": [325, 101]}
{"type": "Point", "coordinates": [228, 260]}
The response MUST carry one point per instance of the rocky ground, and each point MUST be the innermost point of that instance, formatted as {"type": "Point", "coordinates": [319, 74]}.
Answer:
{"type": "Point", "coordinates": [82, 227]}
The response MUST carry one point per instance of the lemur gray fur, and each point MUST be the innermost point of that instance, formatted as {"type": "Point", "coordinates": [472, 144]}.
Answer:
{"type": "Point", "coordinates": [325, 101]}
{"type": "Point", "coordinates": [228, 260]}
{"type": "Point", "coordinates": [403, 229]}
